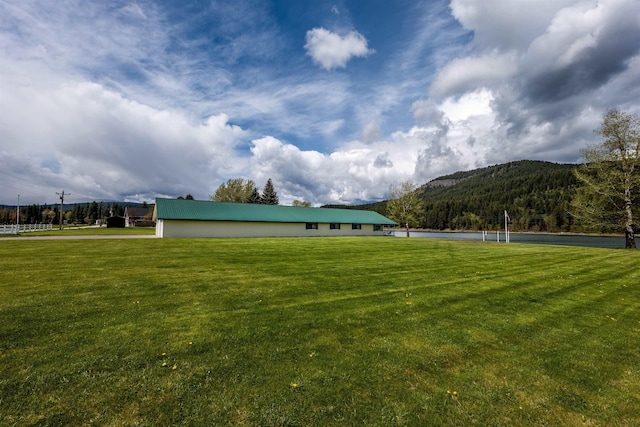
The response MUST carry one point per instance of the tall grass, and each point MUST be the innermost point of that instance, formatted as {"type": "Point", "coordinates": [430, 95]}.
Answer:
{"type": "Point", "coordinates": [319, 331]}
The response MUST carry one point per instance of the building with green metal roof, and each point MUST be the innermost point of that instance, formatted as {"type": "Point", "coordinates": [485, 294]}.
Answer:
{"type": "Point", "coordinates": [197, 218]}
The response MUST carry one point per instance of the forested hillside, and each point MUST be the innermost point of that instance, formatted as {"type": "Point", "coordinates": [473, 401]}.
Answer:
{"type": "Point", "coordinates": [536, 194]}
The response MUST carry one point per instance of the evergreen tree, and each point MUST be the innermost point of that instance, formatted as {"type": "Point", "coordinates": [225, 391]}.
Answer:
{"type": "Point", "coordinates": [255, 198]}
{"type": "Point", "coordinates": [92, 213]}
{"type": "Point", "coordinates": [101, 210]}
{"type": "Point", "coordinates": [269, 195]}
{"type": "Point", "coordinates": [115, 210]}
{"type": "Point", "coordinates": [76, 213]}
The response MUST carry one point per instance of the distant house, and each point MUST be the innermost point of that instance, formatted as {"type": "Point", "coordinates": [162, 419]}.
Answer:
{"type": "Point", "coordinates": [115, 222]}
{"type": "Point", "coordinates": [193, 218]}
{"type": "Point", "coordinates": [134, 217]}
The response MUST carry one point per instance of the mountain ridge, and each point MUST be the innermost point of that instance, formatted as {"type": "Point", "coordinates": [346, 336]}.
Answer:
{"type": "Point", "coordinates": [536, 194]}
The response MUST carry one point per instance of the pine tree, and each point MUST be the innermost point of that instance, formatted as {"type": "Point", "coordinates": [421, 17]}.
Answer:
{"type": "Point", "coordinates": [269, 195]}
{"type": "Point", "coordinates": [255, 198]}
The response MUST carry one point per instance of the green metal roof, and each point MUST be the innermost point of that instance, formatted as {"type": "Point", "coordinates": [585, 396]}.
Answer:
{"type": "Point", "coordinates": [198, 210]}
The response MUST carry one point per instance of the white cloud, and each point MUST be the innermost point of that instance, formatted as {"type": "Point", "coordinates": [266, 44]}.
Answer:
{"type": "Point", "coordinates": [292, 106]}
{"type": "Point", "coordinates": [371, 132]}
{"type": "Point", "coordinates": [455, 136]}
{"type": "Point", "coordinates": [506, 24]}
{"type": "Point", "coordinates": [101, 145]}
{"type": "Point", "coordinates": [427, 113]}
{"type": "Point", "coordinates": [472, 104]}
{"type": "Point", "coordinates": [555, 49]}
{"type": "Point", "coordinates": [354, 172]}
{"type": "Point", "coordinates": [330, 50]}
{"type": "Point", "coordinates": [129, 101]}
{"type": "Point", "coordinates": [467, 74]}
{"type": "Point", "coordinates": [133, 10]}
{"type": "Point", "coordinates": [562, 61]}
{"type": "Point", "coordinates": [576, 31]}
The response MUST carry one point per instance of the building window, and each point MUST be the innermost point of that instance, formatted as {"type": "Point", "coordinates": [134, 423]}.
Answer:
{"type": "Point", "coordinates": [356, 226]}
{"type": "Point", "coordinates": [377, 227]}
{"type": "Point", "coordinates": [334, 226]}
{"type": "Point", "coordinates": [312, 226]}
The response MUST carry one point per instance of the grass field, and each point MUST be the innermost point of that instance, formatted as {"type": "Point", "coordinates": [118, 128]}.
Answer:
{"type": "Point", "coordinates": [317, 332]}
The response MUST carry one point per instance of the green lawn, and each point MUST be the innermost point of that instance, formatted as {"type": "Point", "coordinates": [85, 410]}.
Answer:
{"type": "Point", "coordinates": [317, 332]}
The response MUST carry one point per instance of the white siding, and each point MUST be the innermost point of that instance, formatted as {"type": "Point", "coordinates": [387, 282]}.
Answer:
{"type": "Point", "coordinates": [186, 228]}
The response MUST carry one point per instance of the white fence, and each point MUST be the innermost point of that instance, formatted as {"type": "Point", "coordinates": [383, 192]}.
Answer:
{"type": "Point", "coordinates": [24, 228]}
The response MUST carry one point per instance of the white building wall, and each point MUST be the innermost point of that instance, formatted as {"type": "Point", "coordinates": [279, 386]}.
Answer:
{"type": "Point", "coordinates": [186, 228]}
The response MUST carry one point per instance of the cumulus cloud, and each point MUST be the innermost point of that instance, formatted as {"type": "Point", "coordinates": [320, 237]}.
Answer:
{"type": "Point", "coordinates": [330, 50]}
{"type": "Point", "coordinates": [583, 47]}
{"type": "Point", "coordinates": [505, 24]}
{"type": "Point", "coordinates": [550, 79]}
{"type": "Point", "coordinates": [371, 132]}
{"type": "Point", "coordinates": [566, 47]}
{"type": "Point", "coordinates": [363, 170]}
{"type": "Point", "coordinates": [467, 74]}
{"type": "Point", "coordinates": [426, 113]}
{"type": "Point", "coordinates": [128, 102]}
{"type": "Point", "coordinates": [106, 146]}
{"type": "Point", "coordinates": [356, 172]}
{"type": "Point", "coordinates": [383, 161]}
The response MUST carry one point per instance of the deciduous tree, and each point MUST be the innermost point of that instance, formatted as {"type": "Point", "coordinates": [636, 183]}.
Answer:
{"type": "Point", "coordinates": [611, 177]}
{"type": "Point", "coordinates": [235, 190]}
{"type": "Point", "coordinates": [404, 205]}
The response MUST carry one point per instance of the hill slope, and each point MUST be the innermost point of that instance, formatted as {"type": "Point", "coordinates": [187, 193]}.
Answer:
{"type": "Point", "coordinates": [536, 194]}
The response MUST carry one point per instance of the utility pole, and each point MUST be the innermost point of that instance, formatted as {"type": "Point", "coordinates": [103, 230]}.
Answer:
{"type": "Point", "coordinates": [18, 217]}
{"type": "Point", "coordinates": [62, 205]}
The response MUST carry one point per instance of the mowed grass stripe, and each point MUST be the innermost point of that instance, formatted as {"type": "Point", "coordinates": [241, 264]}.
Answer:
{"type": "Point", "coordinates": [326, 331]}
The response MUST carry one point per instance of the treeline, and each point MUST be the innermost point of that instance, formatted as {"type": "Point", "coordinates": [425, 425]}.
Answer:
{"type": "Point", "coordinates": [537, 196]}
{"type": "Point", "coordinates": [89, 213]}
{"type": "Point", "coordinates": [239, 190]}
{"type": "Point", "coordinates": [77, 213]}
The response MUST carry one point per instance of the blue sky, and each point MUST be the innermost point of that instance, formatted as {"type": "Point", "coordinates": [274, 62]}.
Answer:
{"type": "Point", "coordinates": [334, 100]}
